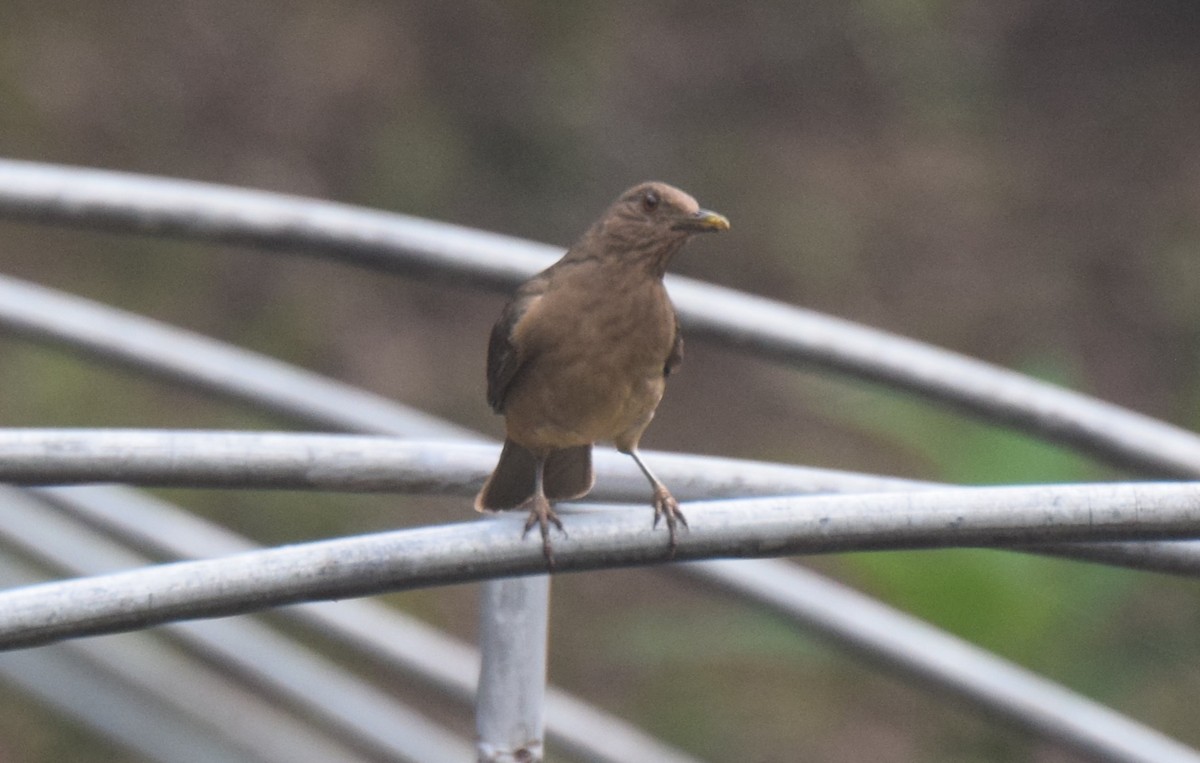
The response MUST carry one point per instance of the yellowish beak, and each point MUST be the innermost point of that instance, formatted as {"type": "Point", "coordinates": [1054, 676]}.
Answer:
{"type": "Point", "coordinates": [704, 221]}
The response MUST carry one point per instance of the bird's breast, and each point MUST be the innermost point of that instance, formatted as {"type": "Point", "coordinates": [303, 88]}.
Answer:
{"type": "Point", "coordinates": [594, 364]}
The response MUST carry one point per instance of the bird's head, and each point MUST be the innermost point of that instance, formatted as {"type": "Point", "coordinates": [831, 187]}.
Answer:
{"type": "Point", "coordinates": [664, 209]}
{"type": "Point", "coordinates": [651, 221]}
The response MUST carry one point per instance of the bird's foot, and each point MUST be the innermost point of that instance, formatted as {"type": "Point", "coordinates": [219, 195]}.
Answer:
{"type": "Point", "coordinates": [542, 515]}
{"type": "Point", "coordinates": [666, 506]}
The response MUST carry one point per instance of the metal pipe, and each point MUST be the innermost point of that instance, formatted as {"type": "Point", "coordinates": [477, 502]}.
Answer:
{"type": "Point", "coordinates": [512, 679]}
{"type": "Point", "coordinates": [192, 360]}
{"type": "Point", "coordinates": [143, 695]}
{"type": "Point", "coordinates": [290, 674]}
{"type": "Point", "coordinates": [356, 463]}
{"type": "Point", "coordinates": [887, 638]}
{"type": "Point", "coordinates": [136, 203]}
{"type": "Point", "coordinates": [599, 539]}
{"type": "Point", "coordinates": [392, 638]}
{"type": "Point", "coordinates": [361, 463]}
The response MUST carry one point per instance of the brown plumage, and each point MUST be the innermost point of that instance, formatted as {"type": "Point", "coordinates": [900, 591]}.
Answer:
{"type": "Point", "coordinates": [581, 355]}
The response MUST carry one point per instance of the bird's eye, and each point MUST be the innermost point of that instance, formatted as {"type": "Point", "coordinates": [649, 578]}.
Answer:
{"type": "Point", "coordinates": [650, 201]}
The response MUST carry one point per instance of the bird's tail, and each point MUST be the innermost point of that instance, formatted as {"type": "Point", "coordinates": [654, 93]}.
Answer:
{"type": "Point", "coordinates": [567, 474]}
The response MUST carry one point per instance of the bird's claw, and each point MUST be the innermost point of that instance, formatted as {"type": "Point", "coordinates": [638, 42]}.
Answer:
{"type": "Point", "coordinates": [542, 515]}
{"type": "Point", "coordinates": [666, 506]}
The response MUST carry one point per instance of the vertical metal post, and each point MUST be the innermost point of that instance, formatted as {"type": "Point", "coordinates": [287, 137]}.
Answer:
{"type": "Point", "coordinates": [509, 704]}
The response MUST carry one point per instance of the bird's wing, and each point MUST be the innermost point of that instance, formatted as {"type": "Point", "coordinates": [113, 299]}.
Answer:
{"type": "Point", "coordinates": [504, 356]}
{"type": "Point", "coordinates": [676, 355]}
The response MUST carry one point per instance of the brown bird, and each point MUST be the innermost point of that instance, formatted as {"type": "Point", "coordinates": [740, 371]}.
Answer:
{"type": "Point", "coordinates": [582, 352]}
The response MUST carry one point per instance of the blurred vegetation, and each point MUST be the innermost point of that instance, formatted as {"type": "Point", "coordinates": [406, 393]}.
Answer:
{"type": "Point", "coordinates": [1017, 181]}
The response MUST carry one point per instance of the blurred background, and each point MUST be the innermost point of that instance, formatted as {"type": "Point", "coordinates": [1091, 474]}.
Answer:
{"type": "Point", "coordinates": [1018, 181]}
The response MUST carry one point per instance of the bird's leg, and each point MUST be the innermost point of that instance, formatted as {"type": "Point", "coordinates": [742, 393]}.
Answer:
{"type": "Point", "coordinates": [540, 512]}
{"type": "Point", "coordinates": [664, 503]}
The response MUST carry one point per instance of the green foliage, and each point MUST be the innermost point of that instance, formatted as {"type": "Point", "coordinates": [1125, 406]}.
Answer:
{"type": "Point", "coordinates": [957, 449]}
{"type": "Point", "coordinates": [1037, 611]}
{"type": "Point", "coordinates": [730, 635]}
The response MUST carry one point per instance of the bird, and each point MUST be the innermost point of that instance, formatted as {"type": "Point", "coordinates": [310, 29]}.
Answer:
{"type": "Point", "coordinates": [581, 354]}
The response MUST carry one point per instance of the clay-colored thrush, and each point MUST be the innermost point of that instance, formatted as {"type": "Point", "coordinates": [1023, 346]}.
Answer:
{"type": "Point", "coordinates": [582, 353]}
